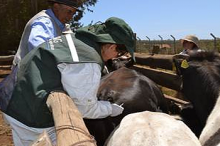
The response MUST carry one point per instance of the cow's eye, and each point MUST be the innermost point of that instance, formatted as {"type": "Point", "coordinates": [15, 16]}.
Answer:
{"type": "Point", "coordinates": [110, 99]}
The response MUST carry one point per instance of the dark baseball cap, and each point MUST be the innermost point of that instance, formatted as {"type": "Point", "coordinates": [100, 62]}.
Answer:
{"type": "Point", "coordinates": [72, 3]}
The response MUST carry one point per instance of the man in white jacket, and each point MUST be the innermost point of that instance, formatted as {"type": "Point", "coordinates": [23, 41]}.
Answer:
{"type": "Point", "coordinates": [72, 63]}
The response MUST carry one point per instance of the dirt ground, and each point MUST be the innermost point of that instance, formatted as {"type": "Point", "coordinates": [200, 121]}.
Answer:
{"type": "Point", "coordinates": [5, 131]}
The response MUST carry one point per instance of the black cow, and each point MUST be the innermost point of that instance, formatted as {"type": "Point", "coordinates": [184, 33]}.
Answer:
{"type": "Point", "coordinates": [201, 82]}
{"type": "Point", "coordinates": [116, 63]}
{"type": "Point", "coordinates": [135, 91]}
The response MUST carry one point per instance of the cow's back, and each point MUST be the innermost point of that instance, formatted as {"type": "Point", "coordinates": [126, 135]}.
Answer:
{"type": "Point", "coordinates": [135, 91]}
{"type": "Point", "coordinates": [152, 129]}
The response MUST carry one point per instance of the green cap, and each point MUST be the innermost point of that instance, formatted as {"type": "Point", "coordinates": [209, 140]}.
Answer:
{"type": "Point", "coordinates": [114, 30]}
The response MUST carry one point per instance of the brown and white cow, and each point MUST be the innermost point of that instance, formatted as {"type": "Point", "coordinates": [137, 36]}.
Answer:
{"type": "Point", "coordinates": [201, 85]}
{"type": "Point", "coordinates": [152, 129]}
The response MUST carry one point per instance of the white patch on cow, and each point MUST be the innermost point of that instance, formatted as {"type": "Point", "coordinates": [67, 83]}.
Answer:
{"type": "Point", "coordinates": [152, 129]}
{"type": "Point", "coordinates": [212, 126]}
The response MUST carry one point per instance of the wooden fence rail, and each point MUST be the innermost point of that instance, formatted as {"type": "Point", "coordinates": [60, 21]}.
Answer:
{"type": "Point", "coordinates": [155, 60]}
{"type": "Point", "coordinates": [155, 63]}
{"type": "Point", "coordinates": [163, 78]}
{"type": "Point", "coordinates": [159, 68]}
{"type": "Point", "coordinates": [6, 60]}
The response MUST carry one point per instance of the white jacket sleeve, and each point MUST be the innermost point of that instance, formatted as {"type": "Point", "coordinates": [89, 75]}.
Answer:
{"type": "Point", "coordinates": [81, 82]}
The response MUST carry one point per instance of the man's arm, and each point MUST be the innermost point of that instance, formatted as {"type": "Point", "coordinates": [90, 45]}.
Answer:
{"type": "Point", "coordinates": [81, 82]}
{"type": "Point", "coordinates": [42, 30]}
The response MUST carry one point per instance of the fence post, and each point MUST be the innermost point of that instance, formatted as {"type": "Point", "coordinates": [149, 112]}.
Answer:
{"type": "Point", "coordinates": [161, 41]}
{"type": "Point", "coordinates": [174, 44]}
{"type": "Point", "coordinates": [214, 41]}
{"type": "Point", "coordinates": [69, 125]}
{"type": "Point", "coordinates": [139, 44]}
{"type": "Point", "coordinates": [149, 42]}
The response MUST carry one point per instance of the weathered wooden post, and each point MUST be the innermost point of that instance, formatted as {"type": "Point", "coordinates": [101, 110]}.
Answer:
{"type": "Point", "coordinates": [6, 60]}
{"type": "Point", "coordinates": [70, 127]}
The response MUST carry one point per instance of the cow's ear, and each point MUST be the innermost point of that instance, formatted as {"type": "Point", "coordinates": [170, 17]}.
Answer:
{"type": "Point", "coordinates": [184, 64]}
{"type": "Point", "coordinates": [176, 66]}
{"type": "Point", "coordinates": [180, 63]}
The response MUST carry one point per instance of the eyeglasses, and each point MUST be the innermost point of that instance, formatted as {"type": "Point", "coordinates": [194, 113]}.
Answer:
{"type": "Point", "coordinates": [121, 49]}
{"type": "Point", "coordinates": [121, 53]}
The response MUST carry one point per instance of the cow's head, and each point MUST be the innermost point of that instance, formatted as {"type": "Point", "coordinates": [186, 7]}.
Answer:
{"type": "Point", "coordinates": [184, 61]}
{"type": "Point", "coordinates": [180, 63]}
{"type": "Point", "coordinates": [122, 61]}
{"type": "Point", "coordinates": [116, 63]}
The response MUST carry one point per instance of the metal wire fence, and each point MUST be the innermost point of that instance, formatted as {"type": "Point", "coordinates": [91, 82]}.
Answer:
{"type": "Point", "coordinates": [172, 47]}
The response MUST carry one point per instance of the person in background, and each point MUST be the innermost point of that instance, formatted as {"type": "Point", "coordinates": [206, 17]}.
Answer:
{"type": "Point", "coordinates": [71, 63]}
{"type": "Point", "coordinates": [46, 25]}
{"type": "Point", "coordinates": [190, 43]}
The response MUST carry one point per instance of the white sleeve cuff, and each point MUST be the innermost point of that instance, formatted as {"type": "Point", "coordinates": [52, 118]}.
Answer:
{"type": "Point", "coordinates": [101, 109]}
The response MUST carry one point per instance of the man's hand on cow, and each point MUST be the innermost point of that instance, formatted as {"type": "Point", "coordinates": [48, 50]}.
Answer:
{"type": "Point", "coordinates": [116, 110]}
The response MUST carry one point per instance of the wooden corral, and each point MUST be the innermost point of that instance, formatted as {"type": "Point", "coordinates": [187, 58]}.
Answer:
{"type": "Point", "coordinates": [158, 68]}
{"type": "Point", "coordinates": [161, 69]}
{"type": "Point", "coordinates": [6, 60]}
{"type": "Point", "coordinates": [155, 60]}
{"type": "Point", "coordinates": [163, 78]}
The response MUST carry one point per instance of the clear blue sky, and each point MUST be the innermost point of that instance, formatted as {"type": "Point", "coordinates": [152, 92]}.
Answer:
{"type": "Point", "coordinates": [161, 17]}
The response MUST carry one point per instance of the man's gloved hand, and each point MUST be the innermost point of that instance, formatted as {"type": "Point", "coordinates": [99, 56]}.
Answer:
{"type": "Point", "coordinates": [116, 110]}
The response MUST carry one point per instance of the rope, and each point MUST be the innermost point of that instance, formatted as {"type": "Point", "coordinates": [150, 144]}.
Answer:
{"type": "Point", "coordinates": [63, 127]}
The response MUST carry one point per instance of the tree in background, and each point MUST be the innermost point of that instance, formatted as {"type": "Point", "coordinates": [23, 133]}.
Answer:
{"type": "Point", "coordinates": [14, 15]}
{"type": "Point", "coordinates": [86, 4]}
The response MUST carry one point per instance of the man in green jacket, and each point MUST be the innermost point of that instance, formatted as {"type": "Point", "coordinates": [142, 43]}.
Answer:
{"type": "Point", "coordinates": [72, 63]}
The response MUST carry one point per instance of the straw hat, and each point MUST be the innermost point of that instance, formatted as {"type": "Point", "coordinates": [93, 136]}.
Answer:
{"type": "Point", "coordinates": [191, 38]}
